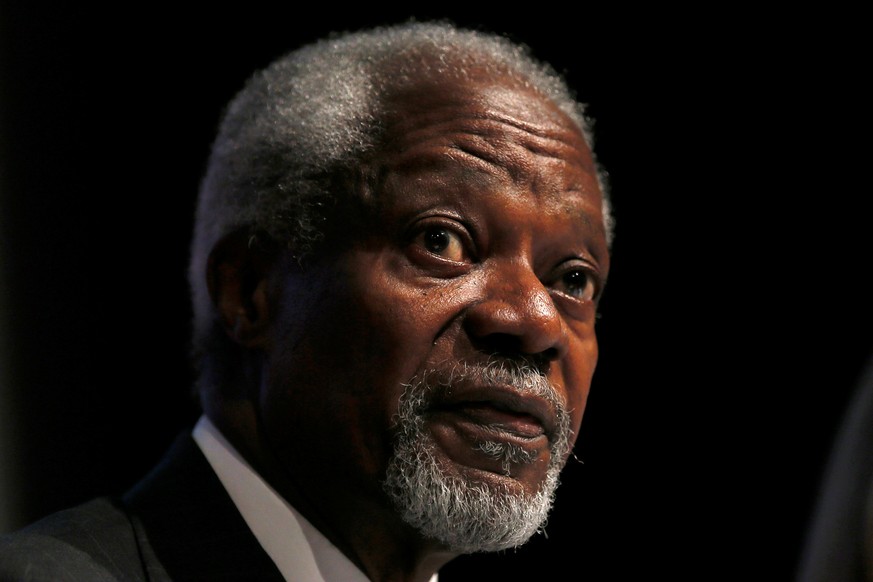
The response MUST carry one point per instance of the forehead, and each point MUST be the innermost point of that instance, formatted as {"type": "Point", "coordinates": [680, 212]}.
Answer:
{"type": "Point", "coordinates": [497, 110]}
{"type": "Point", "coordinates": [488, 134]}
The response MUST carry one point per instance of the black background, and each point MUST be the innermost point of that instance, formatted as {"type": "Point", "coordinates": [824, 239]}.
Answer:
{"type": "Point", "coordinates": [735, 326]}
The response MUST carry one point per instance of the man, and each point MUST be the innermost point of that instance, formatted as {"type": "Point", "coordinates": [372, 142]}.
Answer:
{"type": "Point", "coordinates": [401, 240]}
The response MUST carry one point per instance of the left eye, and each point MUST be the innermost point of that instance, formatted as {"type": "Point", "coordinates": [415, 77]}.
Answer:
{"type": "Point", "coordinates": [577, 283]}
{"type": "Point", "coordinates": [442, 242]}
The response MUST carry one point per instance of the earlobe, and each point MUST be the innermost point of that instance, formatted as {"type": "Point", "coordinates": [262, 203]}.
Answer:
{"type": "Point", "coordinates": [237, 274]}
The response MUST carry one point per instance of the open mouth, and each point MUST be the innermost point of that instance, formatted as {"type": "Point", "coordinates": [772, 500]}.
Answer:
{"type": "Point", "coordinates": [498, 429]}
{"type": "Point", "coordinates": [487, 420]}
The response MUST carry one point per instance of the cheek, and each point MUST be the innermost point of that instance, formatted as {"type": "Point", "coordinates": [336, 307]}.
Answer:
{"type": "Point", "coordinates": [334, 369]}
{"type": "Point", "coordinates": [332, 394]}
{"type": "Point", "coordinates": [367, 335]}
{"type": "Point", "coordinates": [401, 320]}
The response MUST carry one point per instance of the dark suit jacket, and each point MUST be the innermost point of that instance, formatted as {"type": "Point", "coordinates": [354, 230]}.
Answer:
{"type": "Point", "coordinates": [177, 524]}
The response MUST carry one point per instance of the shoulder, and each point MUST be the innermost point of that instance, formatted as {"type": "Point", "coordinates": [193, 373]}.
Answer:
{"type": "Point", "coordinates": [94, 541]}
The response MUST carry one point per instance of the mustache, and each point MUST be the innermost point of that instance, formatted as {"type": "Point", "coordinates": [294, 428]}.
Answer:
{"type": "Point", "coordinates": [527, 375]}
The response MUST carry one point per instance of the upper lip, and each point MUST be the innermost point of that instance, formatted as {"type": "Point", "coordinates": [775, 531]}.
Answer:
{"type": "Point", "coordinates": [503, 397]}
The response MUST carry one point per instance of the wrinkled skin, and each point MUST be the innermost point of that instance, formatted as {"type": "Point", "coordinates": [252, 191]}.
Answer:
{"type": "Point", "coordinates": [483, 235]}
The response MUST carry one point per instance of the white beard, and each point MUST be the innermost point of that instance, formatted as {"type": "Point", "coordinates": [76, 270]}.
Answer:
{"type": "Point", "coordinates": [470, 517]}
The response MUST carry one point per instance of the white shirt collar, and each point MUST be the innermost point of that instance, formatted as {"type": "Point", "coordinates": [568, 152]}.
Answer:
{"type": "Point", "coordinates": [300, 552]}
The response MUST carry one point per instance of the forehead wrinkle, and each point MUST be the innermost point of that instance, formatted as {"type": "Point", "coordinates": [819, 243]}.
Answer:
{"type": "Point", "coordinates": [538, 139]}
{"type": "Point", "coordinates": [523, 161]}
{"type": "Point", "coordinates": [493, 146]}
{"type": "Point", "coordinates": [466, 155]}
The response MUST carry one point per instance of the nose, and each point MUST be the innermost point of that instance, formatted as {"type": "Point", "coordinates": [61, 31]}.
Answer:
{"type": "Point", "coordinates": [516, 316]}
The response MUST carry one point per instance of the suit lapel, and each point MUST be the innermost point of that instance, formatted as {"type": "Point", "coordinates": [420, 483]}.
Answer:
{"type": "Point", "coordinates": [188, 527]}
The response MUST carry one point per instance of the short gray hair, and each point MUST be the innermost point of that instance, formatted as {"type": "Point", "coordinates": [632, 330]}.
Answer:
{"type": "Point", "coordinates": [312, 116]}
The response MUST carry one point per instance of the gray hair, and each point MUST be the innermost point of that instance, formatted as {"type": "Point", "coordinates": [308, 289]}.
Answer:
{"type": "Point", "coordinates": [312, 116]}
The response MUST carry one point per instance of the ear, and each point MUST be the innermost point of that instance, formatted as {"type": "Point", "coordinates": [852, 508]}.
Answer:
{"type": "Point", "coordinates": [237, 276]}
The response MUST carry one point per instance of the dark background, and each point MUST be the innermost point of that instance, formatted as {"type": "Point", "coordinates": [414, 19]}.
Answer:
{"type": "Point", "coordinates": [735, 327]}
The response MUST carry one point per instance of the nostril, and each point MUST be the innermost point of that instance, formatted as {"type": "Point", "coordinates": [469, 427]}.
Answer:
{"type": "Point", "coordinates": [504, 344]}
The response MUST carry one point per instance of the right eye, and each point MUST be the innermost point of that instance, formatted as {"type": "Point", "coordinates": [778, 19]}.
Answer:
{"type": "Point", "coordinates": [443, 242]}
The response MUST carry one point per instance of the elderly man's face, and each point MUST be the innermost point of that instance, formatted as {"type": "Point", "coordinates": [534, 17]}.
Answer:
{"type": "Point", "coordinates": [471, 288]}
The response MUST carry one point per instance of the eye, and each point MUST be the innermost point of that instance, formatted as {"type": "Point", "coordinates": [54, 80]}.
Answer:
{"type": "Point", "coordinates": [577, 283]}
{"type": "Point", "coordinates": [442, 242]}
